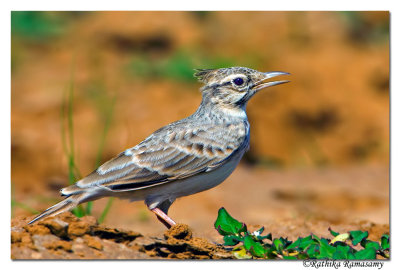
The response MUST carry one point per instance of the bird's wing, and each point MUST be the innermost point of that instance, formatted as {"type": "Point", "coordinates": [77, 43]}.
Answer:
{"type": "Point", "coordinates": [173, 152]}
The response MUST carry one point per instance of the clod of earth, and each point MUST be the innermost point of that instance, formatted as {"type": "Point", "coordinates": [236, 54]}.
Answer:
{"type": "Point", "coordinates": [68, 237]}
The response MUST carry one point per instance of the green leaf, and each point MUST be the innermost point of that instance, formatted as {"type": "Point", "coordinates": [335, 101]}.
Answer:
{"type": "Point", "coordinates": [278, 244]}
{"type": "Point", "coordinates": [232, 240]}
{"type": "Point", "coordinates": [385, 241]}
{"type": "Point", "coordinates": [366, 254]}
{"type": "Point", "coordinates": [312, 251]}
{"type": "Point", "coordinates": [255, 248]}
{"type": "Point", "coordinates": [325, 250]}
{"type": "Point", "coordinates": [227, 225]}
{"type": "Point", "coordinates": [295, 244]}
{"type": "Point", "coordinates": [341, 253]}
{"type": "Point", "coordinates": [306, 243]}
{"type": "Point", "coordinates": [316, 238]}
{"type": "Point", "coordinates": [333, 233]}
{"type": "Point", "coordinates": [372, 244]}
{"type": "Point", "coordinates": [268, 236]}
{"type": "Point", "coordinates": [351, 256]}
{"type": "Point", "coordinates": [358, 236]}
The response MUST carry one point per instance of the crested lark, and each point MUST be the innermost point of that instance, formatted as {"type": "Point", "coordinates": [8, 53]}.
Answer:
{"type": "Point", "coordinates": [185, 157]}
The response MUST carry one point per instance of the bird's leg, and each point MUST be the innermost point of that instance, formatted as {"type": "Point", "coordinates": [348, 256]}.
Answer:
{"type": "Point", "coordinates": [164, 218]}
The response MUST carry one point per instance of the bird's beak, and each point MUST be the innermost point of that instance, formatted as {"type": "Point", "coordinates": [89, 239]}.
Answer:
{"type": "Point", "coordinates": [262, 83]}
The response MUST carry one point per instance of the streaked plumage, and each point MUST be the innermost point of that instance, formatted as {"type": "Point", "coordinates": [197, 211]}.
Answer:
{"type": "Point", "coordinates": [184, 157]}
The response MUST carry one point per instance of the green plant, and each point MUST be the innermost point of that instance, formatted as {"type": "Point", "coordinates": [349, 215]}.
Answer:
{"type": "Point", "coordinates": [105, 108]}
{"type": "Point", "coordinates": [67, 132]}
{"type": "Point", "coordinates": [247, 245]}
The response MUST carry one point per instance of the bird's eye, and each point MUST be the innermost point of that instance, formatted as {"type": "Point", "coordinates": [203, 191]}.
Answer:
{"type": "Point", "coordinates": [238, 81]}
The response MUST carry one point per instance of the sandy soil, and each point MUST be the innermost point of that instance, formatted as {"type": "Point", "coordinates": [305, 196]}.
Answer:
{"type": "Point", "coordinates": [67, 237]}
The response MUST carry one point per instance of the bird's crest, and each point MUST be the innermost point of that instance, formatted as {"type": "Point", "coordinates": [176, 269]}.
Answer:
{"type": "Point", "coordinates": [208, 75]}
{"type": "Point", "coordinates": [204, 75]}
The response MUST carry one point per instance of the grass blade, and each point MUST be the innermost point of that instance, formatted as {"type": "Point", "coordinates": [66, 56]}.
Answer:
{"type": "Point", "coordinates": [107, 113]}
{"type": "Point", "coordinates": [26, 207]}
{"type": "Point", "coordinates": [106, 209]}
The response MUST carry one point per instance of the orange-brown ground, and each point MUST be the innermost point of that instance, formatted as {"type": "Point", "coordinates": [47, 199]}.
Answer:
{"type": "Point", "coordinates": [67, 237]}
{"type": "Point", "coordinates": [319, 146]}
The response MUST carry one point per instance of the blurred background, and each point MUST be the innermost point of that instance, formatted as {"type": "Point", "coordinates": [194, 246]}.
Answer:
{"type": "Point", "coordinates": [87, 85]}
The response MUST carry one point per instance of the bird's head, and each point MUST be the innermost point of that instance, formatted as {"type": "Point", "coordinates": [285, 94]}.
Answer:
{"type": "Point", "coordinates": [234, 86]}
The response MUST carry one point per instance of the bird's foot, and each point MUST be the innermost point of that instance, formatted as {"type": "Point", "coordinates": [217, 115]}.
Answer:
{"type": "Point", "coordinates": [164, 218]}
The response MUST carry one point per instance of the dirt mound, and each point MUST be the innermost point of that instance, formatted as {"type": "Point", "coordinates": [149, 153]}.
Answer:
{"type": "Point", "coordinates": [68, 237]}
{"type": "Point", "coordinates": [178, 243]}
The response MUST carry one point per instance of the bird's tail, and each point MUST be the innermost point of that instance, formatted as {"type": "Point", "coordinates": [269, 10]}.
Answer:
{"type": "Point", "coordinates": [65, 205]}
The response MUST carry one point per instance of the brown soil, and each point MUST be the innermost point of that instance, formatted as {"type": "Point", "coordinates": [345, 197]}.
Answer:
{"type": "Point", "coordinates": [67, 237]}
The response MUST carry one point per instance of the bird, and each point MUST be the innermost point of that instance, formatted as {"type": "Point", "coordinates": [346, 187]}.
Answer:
{"type": "Point", "coordinates": [185, 157]}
